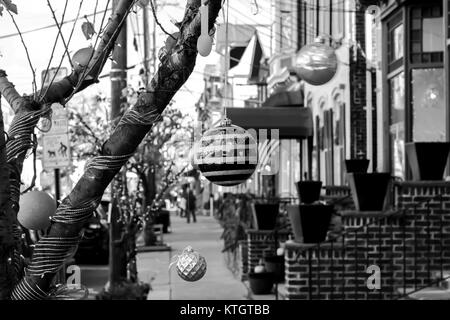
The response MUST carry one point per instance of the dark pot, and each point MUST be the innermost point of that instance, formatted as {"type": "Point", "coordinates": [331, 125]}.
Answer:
{"type": "Point", "coordinates": [427, 159]}
{"type": "Point", "coordinates": [315, 221]}
{"type": "Point", "coordinates": [356, 165]}
{"type": "Point", "coordinates": [296, 223]}
{"type": "Point", "coordinates": [275, 264]}
{"type": "Point", "coordinates": [163, 217]}
{"type": "Point", "coordinates": [369, 190]}
{"type": "Point", "coordinates": [309, 191]}
{"type": "Point", "coordinates": [261, 283]}
{"type": "Point", "coordinates": [266, 215]}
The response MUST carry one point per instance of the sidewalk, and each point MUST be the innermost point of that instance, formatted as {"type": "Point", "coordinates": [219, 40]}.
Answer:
{"type": "Point", "coordinates": [204, 236]}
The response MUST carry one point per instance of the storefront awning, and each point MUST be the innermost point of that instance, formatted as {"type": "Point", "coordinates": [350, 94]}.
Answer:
{"type": "Point", "coordinates": [292, 122]}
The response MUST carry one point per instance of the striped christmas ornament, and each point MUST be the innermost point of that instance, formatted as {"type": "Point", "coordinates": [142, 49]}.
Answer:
{"type": "Point", "coordinates": [227, 155]}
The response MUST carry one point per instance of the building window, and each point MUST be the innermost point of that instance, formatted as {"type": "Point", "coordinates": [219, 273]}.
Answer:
{"type": "Point", "coordinates": [428, 102]}
{"type": "Point", "coordinates": [337, 18]}
{"type": "Point", "coordinates": [395, 42]}
{"type": "Point", "coordinates": [427, 34]}
{"type": "Point", "coordinates": [397, 123]}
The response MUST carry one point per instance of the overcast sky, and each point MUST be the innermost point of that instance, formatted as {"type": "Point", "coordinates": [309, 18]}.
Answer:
{"type": "Point", "coordinates": [36, 14]}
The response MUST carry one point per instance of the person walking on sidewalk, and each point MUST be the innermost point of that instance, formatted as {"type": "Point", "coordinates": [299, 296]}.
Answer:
{"type": "Point", "coordinates": [190, 204]}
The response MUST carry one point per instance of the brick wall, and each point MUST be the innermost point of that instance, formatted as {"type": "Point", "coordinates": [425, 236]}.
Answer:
{"type": "Point", "coordinates": [409, 245]}
{"type": "Point", "coordinates": [259, 242]}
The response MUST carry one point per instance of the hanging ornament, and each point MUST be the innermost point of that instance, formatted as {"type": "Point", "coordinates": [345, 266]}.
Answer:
{"type": "Point", "coordinates": [191, 266]}
{"type": "Point", "coordinates": [80, 59]}
{"type": "Point", "coordinates": [45, 123]}
{"type": "Point", "coordinates": [316, 63]}
{"type": "Point", "coordinates": [204, 42]}
{"type": "Point", "coordinates": [227, 154]}
{"type": "Point", "coordinates": [36, 208]}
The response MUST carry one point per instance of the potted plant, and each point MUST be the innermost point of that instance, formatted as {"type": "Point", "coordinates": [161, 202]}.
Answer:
{"type": "Point", "coordinates": [315, 221]}
{"type": "Point", "coordinates": [356, 165]}
{"type": "Point", "coordinates": [261, 281]}
{"type": "Point", "coordinates": [266, 213]}
{"type": "Point", "coordinates": [275, 264]}
{"type": "Point", "coordinates": [309, 190]}
{"type": "Point", "coordinates": [427, 159]}
{"type": "Point", "coordinates": [369, 190]}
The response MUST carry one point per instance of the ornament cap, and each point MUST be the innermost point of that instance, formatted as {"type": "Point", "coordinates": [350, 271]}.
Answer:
{"type": "Point", "coordinates": [225, 122]}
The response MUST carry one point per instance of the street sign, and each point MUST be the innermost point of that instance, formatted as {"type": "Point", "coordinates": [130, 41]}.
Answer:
{"type": "Point", "coordinates": [58, 74]}
{"type": "Point", "coordinates": [56, 142]}
{"type": "Point", "coordinates": [56, 151]}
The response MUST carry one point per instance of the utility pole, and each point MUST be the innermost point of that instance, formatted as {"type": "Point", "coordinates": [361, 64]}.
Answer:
{"type": "Point", "coordinates": [154, 39]}
{"type": "Point", "coordinates": [117, 256]}
{"type": "Point", "coordinates": [146, 46]}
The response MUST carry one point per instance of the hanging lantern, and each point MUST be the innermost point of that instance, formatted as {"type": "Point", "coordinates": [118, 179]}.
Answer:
{"type": "Point", "coordinates": [316, 63]}
{"type": "Point", "coordinates": [80, 59]}
{"type": "Point", "coordinates": [227, 154]}
{"type": "Point", "coordinates": [191, 266]}
{"type": "Point", "coordinates": [204, 42]}
{"type": "Point", "coordinates": [36, 208]}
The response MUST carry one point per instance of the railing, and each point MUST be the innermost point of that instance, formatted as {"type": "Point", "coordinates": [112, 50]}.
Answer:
{"type": "Point", "coordinates": [407, 247]}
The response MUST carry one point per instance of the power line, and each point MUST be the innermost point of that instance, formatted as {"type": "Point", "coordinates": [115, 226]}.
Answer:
{"type": "Point", "coordinates": [50, 26]}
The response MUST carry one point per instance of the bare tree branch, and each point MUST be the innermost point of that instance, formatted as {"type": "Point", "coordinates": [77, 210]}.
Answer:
{"type": "Point", "coordinates": [8, 91]}
{"type": "Point", "coordinates": [54, 45]}
{"type": "Point", "coordinates": [26, 51]}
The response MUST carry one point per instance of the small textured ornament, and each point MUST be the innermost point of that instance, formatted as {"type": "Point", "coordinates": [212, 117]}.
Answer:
{"type": "Point", "coordinates": [191, 266]}
{"type": "Point", "coordinates": [226, 155]}
{"type": "Point", "coordinates": [316, 63]}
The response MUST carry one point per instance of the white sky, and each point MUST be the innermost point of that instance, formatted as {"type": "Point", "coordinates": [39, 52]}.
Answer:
{"type": "Point", "coordinates": [35, 14]}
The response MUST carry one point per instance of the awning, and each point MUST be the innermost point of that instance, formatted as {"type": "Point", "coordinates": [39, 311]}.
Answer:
{"type": "Point", "coordinates": [292, 123]}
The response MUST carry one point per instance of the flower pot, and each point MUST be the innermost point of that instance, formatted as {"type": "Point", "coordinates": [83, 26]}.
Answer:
{"type": "Point", "coordinates": [309, 190]}
{"type": "Point", "coordinates": [163, 217]}
{"type": "Point", "coordinates": [427, 159]}
{"type": "Point", "coordinates": [369, 190]}
{"type": "Point", "coordinates": [315, 221]}
{"type": "Point", "coordinates": [262, 282]}
{"type": "Point", "coordinates": [296, 223]}
{"type": "Point", "coordinates": [266, 215]}
{"type": "Point", "coordinates": [275, 264]}
{"type": "Point", "coordinates": [356, 165]}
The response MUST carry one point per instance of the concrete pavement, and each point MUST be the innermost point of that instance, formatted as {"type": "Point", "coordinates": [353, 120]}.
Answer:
{"type": "Point", "coordinates": [203, 236]}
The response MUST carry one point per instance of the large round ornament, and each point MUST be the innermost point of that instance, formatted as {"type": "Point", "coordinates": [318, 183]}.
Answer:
{"type": "Point", "coordinates": [36, 208]}
{"type": "Point", "coordinates": [226, 155]}
{"type": "Point", "coordinates": [316, 63]}
{"type": "Point", "coordinates": [191, 266]}
{"type": "Point", "coordinates": [80, 59]}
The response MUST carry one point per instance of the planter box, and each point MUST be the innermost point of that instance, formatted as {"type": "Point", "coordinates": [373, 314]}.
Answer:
{"type": "Point", "coordinates": [261, 283]}
{"type": "Point", "coordinates": [369, 190]}
{"type": "Point", "coordinates": [266, 215]}
{"type": "Point", "coordinates": [309, 191]}
{"type": "Point", "coordinates": [357, 165]}
{"type": "Point", "coordinates": [163, 217]}
{"type": "Point", "coordinates": [275, 264]}
{"type": "Point", "coordinates": [296, 223]}
{"type": "Point", "coordinates": [315, 221]}
{"type": "Point", "coordinates": [427, 159]}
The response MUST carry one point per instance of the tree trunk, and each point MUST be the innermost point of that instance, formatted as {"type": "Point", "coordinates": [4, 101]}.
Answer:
{"type": "Point", "coordinates": [64, 233]}
{"type": "Point", "coordinates": [6, 221]}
